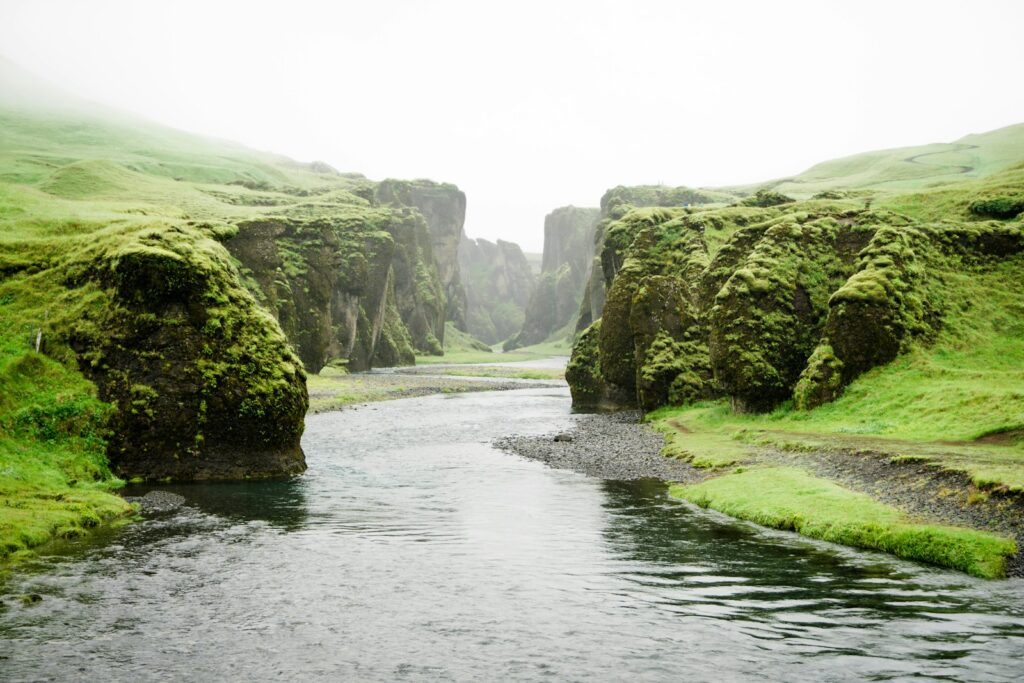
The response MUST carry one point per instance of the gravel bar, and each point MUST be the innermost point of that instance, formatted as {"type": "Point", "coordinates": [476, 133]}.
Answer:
{"type": "Point", "coordinates": [608, 446]}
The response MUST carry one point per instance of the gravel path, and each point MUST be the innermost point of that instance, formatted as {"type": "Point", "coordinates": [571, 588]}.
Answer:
{"type": "Point", "coordinates": [609, 446]}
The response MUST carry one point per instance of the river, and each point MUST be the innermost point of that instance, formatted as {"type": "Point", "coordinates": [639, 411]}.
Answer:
{"type": "Point", "coordinates": [413, 550]}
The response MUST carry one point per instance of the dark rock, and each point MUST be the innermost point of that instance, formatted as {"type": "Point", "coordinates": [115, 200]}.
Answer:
{"type": "Point", "coordinates": [204, 383]}
{"type": "Point", "coordinates": [155, 502]}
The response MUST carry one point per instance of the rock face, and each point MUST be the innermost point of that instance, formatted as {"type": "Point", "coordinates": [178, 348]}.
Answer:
{"type": "Point", "coordinates": [203, 383]}
{"type": "Point", "coordinates": [498, 283]}
{"type": "Point", "coordinates": [568, 240]}
{"type": "Point", "coordinates": [607, 258]}
{"type": "Point", "coordinates": [766, 301]}
{"type": "Point", "coordinates": [444, 207]}
{"type": "Point", "coordinates": [359, 284]}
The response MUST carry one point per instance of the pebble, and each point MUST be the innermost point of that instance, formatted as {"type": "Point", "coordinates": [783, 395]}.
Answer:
{"type": "Point", "coordinates": [607, 445]}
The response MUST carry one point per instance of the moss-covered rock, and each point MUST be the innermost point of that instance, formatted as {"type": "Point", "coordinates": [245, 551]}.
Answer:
{"type": "Point", "coordinates": [767, 318]}
{"type": "Point", "coordinates": [894, 298]}
{"type": "Point", "coordinates": [325, 280]}
{"type": "Point", "coordinates": [498, 282]}
{"type": "Point", "coordinates": [443, 206]}
{"type": "Point", "coordinates": [583, 372]}
{"type": "Point", "coordinates": [616, 204]}
{"type": "Point", "coordinates": [669, 343]}
{"type": "Point", "coordinates": [204, 384]}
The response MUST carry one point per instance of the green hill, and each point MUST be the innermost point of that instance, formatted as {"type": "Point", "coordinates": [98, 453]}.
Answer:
{"type": "Point", "coordinates": [908, 168]}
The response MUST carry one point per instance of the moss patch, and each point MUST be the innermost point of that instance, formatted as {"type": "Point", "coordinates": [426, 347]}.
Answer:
{"type": "Point", "coordinates": [790, 499]}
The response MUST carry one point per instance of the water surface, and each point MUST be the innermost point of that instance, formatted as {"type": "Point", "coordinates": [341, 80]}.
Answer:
{"type": "Point", "coordinates": [412, 550]}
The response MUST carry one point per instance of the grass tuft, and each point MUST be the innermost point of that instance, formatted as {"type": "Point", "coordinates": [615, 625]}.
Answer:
{"type": "Point", "coordinates": [790, 499]}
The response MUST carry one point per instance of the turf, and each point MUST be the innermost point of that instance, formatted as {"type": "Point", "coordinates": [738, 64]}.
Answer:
{"type": "Point", "coordinates": [909, 168]}
{"type": "Point", "coordinates": [790, 499]}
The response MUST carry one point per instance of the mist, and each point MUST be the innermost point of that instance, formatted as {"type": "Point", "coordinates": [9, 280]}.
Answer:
{"type": "Point", "coordinates": [530, 106]}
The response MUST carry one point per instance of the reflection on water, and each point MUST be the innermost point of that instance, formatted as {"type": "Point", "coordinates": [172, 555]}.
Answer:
{"type": "Point", "coordinates": [280, 503]}
{"type": "Point", "coordinates": [414, 551]}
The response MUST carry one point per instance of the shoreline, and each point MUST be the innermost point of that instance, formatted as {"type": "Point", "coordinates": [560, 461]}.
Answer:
{"type": "Point", "coordinates": [618, 446]}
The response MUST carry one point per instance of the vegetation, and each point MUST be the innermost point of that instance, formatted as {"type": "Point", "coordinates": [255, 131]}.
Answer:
{"type": "Point", "coordinates": [177, 287]}
{"type": "Point", "coordinates": [790, 499]}
{"type": "Point", "coordinates": [497, 371]}
{"type": "Point", "coordinates": [54, 477]}
{"type": "Point", "coordinates": [498, 282]}
{"type": "Point", "coordinates": [882, 325]}
{"type": "Point", "coordinates": [908, 168]}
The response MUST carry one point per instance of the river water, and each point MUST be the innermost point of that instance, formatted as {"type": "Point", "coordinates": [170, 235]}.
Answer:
{"type": "Point", "coordinates": [412, 550]}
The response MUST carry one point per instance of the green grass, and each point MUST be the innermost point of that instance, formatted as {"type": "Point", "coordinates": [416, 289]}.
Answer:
{"type": "Point", "coordinates": [790, 499]}
{"type": "Point", "coordinates": [54, 479]}
{"type": "Point", "coordinates": [499, 371]}
{"type": "Point", "coordinates": [334, 390]}
{"type": "Point", "coordinates": [909, 168]}
{"type": "Point", "coordinates": [550, 349]}
{"type": "Point", "coordinates": [704, 449]}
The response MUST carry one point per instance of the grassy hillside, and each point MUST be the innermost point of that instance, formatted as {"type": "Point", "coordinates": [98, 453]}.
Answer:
{"type": "Point", "coordinates": [909, 168]}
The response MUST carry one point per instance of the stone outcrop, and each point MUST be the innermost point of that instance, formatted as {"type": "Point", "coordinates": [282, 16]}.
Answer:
{"type": "Point", "coordinates": [498, 283]}
{"type": "Point", "coordinates": [568, 240]}
{"type": "Point", "coordinates": [766, 303]}
{"type": "Point", "coordinates": [443, 205]}
{"type": "Point", "coordinates": [616, 203]}
{"type": "Point", "coordinates": [361, 284]}
{"type": "Point", "coordinates": [202, 382]}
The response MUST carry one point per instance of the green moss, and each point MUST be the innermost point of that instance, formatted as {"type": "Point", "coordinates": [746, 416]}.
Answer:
{"type": "Point", "coordinates": [998, 207]}
{"type": "Point", "coordinates": [821, 381]}
{"type": "Point", "coordinates": [767, 317]}
{"type": "Point", "coordinates": [790, 499]}
{"type": "Point", "coordinates": [583, 372]}
{"type": "Point", "coordinates": [765, 198]}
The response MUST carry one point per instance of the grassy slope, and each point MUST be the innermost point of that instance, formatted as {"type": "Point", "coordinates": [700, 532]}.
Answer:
{"type": "Point", "coordinates": [909, 168]}
{"type": "Point", "coordinates": [787, 498]}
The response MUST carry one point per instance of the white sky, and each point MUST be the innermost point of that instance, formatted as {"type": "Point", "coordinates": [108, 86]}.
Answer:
{"type": "Point", "coordinates": [532, 105]}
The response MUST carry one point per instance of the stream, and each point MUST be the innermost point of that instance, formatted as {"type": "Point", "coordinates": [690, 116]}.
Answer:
{"type": "Point", "coordinates": [413, 550]}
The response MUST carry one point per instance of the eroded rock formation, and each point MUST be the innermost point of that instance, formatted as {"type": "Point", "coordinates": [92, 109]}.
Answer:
{"type": "Point", "coordinates": [568, 240]}
{"type": "Point", "coordinates": [498, 283]}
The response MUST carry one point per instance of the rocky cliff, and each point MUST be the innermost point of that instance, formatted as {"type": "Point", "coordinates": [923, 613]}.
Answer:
{"type": "Point", "coordinates": [444, 207]}
{"type": "Point", "coordinates": [200, 381]}
{"type": "Point", "coordinates": [498, 283]}
{"type": "Point", "coordinates": [568, 246]}
{"type": "Point", "coordinates": [772, 300]}
{"type": "Point", "coordinates": [606, 257]}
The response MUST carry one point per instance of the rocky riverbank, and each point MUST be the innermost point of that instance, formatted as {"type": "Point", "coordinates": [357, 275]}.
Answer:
{"type": "Point", "coordinates": [618, 446]}
{"type": "Point", "coordinates": [609, 446]}
{"type": "Point", "coordinates": [334, 392]}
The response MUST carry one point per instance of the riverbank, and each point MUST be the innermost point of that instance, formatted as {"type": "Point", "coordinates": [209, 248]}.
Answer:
{"type": "Point", "coordinates": [337, 390]}
{"type": "Point", "coordinates": [872, 499]}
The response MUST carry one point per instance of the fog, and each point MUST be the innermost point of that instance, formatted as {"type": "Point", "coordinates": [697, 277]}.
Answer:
{"type": "Point", "coordinates": [532, 105]}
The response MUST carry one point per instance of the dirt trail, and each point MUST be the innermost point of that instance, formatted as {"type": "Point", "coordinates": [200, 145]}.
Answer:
{"type": "Point", "coordinates": [946, 169]}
